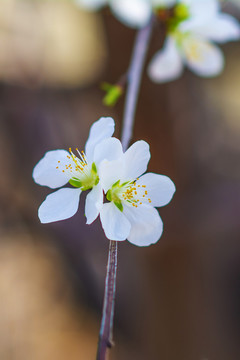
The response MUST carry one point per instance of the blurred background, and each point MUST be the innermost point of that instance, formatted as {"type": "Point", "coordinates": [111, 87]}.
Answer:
{"type": "Point", "coordinates": [176, 300]}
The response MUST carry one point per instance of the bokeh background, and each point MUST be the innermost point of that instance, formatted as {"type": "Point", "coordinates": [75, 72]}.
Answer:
{"type": "Point", "coordinates": [176, 300]}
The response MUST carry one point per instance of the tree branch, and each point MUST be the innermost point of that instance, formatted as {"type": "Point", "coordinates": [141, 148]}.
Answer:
{"type": "Point", "coordinates": [134, 80]}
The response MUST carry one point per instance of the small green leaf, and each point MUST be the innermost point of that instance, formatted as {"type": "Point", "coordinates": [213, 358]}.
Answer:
{"type": "Point", "coordinates": [113, 93]}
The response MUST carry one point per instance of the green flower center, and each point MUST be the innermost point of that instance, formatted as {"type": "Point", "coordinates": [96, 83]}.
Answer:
{"type": "Point", "coordinates": [129, 193]}
{"type": "Point", "coordinates": [82, 175]}
{"type": "Point", "coordinates": [86, 181]}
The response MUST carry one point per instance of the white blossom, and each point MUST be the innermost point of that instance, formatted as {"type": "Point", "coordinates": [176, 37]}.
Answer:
{"type": "Point", "coordinates": [190, 41]}
{"type": "Point", "coordinates": [130, 213]}
{"type": "Point", "coordinates": [59, 167]}
{"type": "Point", "coordinates": [133, 13]}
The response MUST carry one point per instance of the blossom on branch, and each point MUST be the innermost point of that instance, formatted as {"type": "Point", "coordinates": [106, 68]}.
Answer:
{"type": "Point", "coordinates": [130, 213]}
{"type": "Point", "coordinates": [191, 33]}
{"type": "Point", "coordinates": [59, 167]}
{"type": "Point", "coordinates": [133, 13]}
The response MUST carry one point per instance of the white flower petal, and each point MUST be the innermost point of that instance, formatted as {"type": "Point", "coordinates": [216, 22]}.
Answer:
{"type": "Point", "coordinates": [110, 172]}
{"type": "Point", "coordinates": [133, 13]}
{"type": "Point", "coordinates": [100, 130]}
{"type": "Point", "coordinates": [136, 159]}
{"type": "Point", "coordinates": [91, 4]}
{"type": "Point", "coordinates": [146, 225]}
{"type": "Point", "coordinates": [221, 28]}
{"type": "Point", "coordinates": [60, 205]}
{"type": "Point", "coordinates": [192, 24]}
{"type": "Point", "coordinates": [45, 172]}
{"type": "Point", "coordinates": [160, 188]}
{"type": "Point", "coordinates": [202, 57]}
{"type": "Point", "coordinates": [202, 8]}
{"type": "Point", "coordinates": [115, 224]}
{"type": "Point", "coordinates": [94, 203]}
{"type": "Point", "coordinates": [108, 149]}
{"type": "Point", "coordinates": [201, 13]}
{"type": "Point", "coordinates": [166, 65]}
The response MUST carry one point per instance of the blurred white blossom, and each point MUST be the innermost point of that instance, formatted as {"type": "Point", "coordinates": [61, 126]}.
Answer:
{"type": "Point", "coordinates": [133, 13]}
{"type": "Point", "coordinates": [191, 33]}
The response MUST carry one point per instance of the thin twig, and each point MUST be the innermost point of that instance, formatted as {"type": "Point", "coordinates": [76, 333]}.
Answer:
{"type": "Point", "coordinates": [105, 335]}
{"type": "Point", "coordinates": [134, 80]}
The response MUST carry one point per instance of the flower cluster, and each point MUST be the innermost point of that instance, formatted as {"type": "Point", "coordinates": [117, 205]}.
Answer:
{"type": "Point", "coordinates": [104, 169]}
{"type": "Point", "coordinates": [191, 32]}
{"type": "Point", "coordinates": [192, 28]}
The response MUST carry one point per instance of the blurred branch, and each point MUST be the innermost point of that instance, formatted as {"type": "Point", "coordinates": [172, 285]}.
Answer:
{"type": "Point", "coordinates": [134, 81]}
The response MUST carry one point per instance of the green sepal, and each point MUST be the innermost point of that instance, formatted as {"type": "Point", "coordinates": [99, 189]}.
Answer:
{"type": "Point", "coordinates": [109, 195]}
{"type": "Point", "coordinates": [75, 182]}
{"type": "Point", "coordinates": [96, 181]}
{"type": "Point", "coordinates": [118, 205]}
{"type": "Point", "coordinates": [116, 183]}
{"type": "Point", "coordinates": [181, 12]}
{"type": "Point", "coordinates": [94, 168]}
